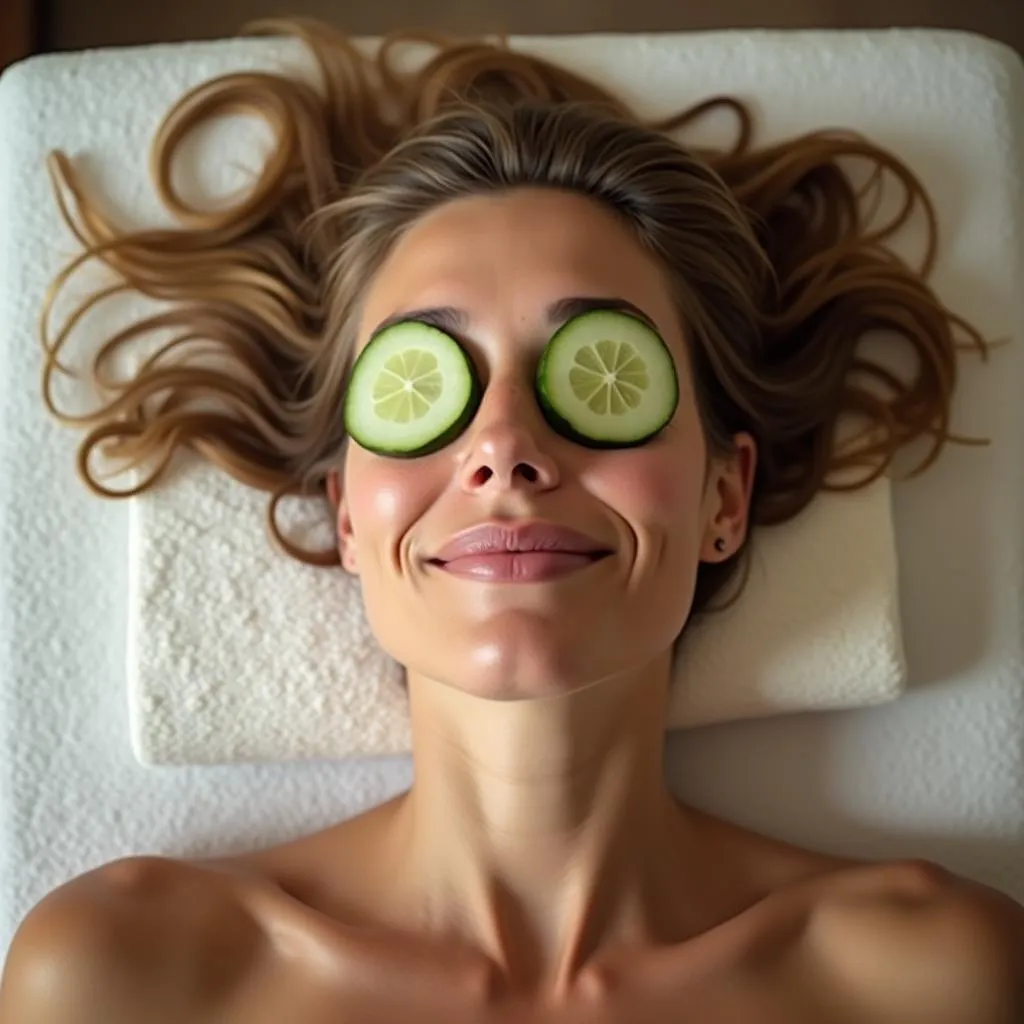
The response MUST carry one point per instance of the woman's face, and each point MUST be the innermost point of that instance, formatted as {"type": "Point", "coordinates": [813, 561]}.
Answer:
{"type": "Point", "coordinates": [504, 265]}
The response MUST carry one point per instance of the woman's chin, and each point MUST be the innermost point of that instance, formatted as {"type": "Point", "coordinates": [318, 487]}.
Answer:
{"type": "Point", "coordinates": [520, 664]}
{"type": "Point", "coordinates": [527, 655]}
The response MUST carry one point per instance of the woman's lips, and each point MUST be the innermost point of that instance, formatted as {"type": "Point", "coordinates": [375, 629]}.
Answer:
{"type": "Point", "coordinates": [527, 551]}
{"type": "Point", "coordinates": [517, 566]}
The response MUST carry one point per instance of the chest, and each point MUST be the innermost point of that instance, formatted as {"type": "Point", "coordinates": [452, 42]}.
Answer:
{"type": "Point", "coordinates": [793, 991]}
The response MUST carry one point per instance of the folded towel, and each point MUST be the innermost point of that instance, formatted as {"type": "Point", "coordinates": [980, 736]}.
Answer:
{"type": "Point", "coordinates": [238, 653]}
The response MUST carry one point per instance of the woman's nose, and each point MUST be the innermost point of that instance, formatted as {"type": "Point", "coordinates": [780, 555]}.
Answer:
{"type": "Point", "coordinates": [506, 444]}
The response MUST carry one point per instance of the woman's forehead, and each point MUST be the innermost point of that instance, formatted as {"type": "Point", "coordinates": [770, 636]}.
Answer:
{"type": "Point", "coordinates": [511, 258]}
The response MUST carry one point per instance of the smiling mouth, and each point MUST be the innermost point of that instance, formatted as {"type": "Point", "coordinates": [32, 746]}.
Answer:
{"type": "Point", "coordinates": [518, 566]}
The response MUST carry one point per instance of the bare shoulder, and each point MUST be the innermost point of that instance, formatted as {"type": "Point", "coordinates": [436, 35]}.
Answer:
{"type": "Point", "coordinates": [129, 941]}
{"type": "Point", "coordinates": [913, 941]}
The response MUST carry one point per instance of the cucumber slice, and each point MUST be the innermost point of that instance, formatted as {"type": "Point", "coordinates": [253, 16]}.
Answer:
{"type": "Point", "coordinates": [412, 391]}
{"type": "Point", "coordinates": [607, 380]}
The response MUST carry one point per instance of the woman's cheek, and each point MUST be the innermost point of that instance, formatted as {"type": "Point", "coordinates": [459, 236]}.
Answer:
{"type": "Point", "coordinates": [651, 486]}
{"type": "Point", "coordinates": [386, 496]}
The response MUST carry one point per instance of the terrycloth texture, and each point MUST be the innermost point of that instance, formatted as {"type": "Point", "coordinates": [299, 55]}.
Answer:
{"type": "Point", "coordinates": [817, 627]}
{"type": "Point", "coordinates": [937, 773]}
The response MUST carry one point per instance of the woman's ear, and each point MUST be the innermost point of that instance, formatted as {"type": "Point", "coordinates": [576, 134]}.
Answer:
{"type": "Point", "coordinates": [727, 496]}
{"type": "Point", "coordinates": [343, 523]}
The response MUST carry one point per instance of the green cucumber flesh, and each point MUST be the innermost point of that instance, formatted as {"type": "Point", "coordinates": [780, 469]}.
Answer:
{"type": "Point", "coordinates": [411, 391]}
{"type": "Point", "coordinates": [606, 379]}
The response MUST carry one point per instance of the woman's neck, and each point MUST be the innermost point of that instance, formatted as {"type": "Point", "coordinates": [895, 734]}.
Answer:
{"type": "Point", "coordinates": [542, 831]}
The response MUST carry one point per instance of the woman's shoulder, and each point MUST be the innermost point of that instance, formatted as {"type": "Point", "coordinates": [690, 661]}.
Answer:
{"type": "Point", "coordinates": [902, 935]}
{"type": "Point", "coordinates": [142, 937]}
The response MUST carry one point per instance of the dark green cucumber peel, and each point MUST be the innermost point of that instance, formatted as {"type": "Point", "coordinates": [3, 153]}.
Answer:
{"type": "Point", "coordinates": [356, 398]}
{"type": "Point", "coordinates": [564, 426]}
{"type": "Point", "coordinates": [356, 385]}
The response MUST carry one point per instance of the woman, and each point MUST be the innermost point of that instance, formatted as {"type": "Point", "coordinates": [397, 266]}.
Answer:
{"type": "Point", "coordinates": [548, 367]}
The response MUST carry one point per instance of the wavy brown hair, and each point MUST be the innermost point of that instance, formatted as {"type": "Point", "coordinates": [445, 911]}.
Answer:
{"type": "Point", "coordinates": [778, 268]}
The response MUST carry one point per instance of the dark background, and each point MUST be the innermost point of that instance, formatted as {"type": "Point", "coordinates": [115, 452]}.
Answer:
{"type": "Point", "coordinates": [28, 26]}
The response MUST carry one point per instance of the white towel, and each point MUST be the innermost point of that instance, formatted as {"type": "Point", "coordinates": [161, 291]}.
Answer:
{"type": "Point", "coordinates": [937, 773]}
{"type": "Point", "coordinates": [238, 653]}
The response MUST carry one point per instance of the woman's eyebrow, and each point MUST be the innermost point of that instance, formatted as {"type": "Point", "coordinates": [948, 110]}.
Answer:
{"type": "Point", "coordinates": [457, 321]}
{"type": "Point", "coordinates": [445, 318]}
{"type": "Point", "coordinates": [565, 309]}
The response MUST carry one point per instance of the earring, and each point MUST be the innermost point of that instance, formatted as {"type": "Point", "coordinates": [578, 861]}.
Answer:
{"type": "Point", "coordinates": [720, 545]}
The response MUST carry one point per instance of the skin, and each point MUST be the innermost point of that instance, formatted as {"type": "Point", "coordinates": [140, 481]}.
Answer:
{"type": "Point", "coordinates": [538, 711]}
{"type": "Point", "coordinates": [539, 869]}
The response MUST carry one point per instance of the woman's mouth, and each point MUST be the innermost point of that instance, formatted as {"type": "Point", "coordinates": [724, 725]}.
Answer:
{"type": "Point", "coordinates": [518, 566]}
{"type": "Point", "coordinates": [502, 552]}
